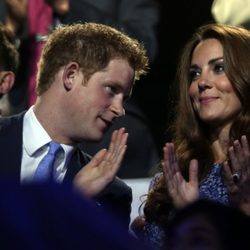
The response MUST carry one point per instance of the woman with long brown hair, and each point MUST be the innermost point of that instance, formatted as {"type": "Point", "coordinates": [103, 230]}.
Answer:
{"type": "Point", "coordinates": [209, 157]}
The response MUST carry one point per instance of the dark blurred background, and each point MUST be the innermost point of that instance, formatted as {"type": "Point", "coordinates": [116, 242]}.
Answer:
{"type": "Point", "coordinates": [178, 20]}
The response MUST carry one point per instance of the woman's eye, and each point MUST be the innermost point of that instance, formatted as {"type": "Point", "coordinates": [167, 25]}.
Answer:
{"type": "Point", "coordinates": [193, 74]}
{"type": "Point", "coordinates": [219, 68]}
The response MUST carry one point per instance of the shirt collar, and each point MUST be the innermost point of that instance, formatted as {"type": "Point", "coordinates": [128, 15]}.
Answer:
{"type": "Point", "coordinates": [34, 135]}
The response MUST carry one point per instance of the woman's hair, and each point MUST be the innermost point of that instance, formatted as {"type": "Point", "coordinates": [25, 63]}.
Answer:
{"type": "Point", "coordinates": [190, 134]}
{"type": "Point", "coordinates": [92, 46]}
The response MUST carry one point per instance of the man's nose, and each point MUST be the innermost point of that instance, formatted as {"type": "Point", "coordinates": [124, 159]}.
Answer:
{"type": "Point", "coordinates": [117, 107]}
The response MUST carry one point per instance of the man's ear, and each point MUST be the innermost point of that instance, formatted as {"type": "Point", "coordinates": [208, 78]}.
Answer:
{"type": "Point", "coordinates": [69, 74]}
{"type": "Point", "coordinates": [7, 79]}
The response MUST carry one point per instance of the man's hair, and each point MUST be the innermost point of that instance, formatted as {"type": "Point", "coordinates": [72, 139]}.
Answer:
{"type": "Point", "coordinates": [9, 57]}
{"type": "Point", "coordinates": [92, 46]}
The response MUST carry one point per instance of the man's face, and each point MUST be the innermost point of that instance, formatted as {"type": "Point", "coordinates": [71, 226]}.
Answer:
{"type": "Point", "coordinates": [93, 106]}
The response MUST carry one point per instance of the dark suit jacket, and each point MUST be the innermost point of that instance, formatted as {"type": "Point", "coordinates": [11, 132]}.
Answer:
{"type": "Point", "coordinates": [117, 196]}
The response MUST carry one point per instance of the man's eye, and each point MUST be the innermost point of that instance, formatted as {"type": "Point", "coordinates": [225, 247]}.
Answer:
{"type": "Point", "coordinates": [111, 90]}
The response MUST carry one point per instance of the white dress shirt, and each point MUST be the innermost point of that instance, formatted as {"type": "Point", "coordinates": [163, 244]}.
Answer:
{"type": "Point", "coordinates": [35, 147]}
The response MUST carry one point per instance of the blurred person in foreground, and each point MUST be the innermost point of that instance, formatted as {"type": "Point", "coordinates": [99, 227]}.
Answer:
{"type": "Point", "coordinates": [209, 225]}
{"type": "Point", "coordinates": [53, 216]}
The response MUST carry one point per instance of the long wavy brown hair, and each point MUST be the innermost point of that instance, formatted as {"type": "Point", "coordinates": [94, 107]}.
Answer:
{"type": "Point", "coordinates": [189, 133]}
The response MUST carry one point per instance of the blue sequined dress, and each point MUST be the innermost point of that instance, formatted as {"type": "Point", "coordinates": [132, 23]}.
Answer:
{"type": "Point", "coordinates": [212, 187]}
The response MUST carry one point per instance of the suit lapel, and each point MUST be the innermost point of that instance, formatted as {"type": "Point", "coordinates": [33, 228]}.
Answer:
{"type": "Point", "coordinates": [77, 161]}
{"type": "Point", "coordinates": [11, 143]}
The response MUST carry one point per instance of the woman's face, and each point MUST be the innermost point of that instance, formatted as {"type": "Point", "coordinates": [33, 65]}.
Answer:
{"type": "Point", "coordinates": [212, 94]}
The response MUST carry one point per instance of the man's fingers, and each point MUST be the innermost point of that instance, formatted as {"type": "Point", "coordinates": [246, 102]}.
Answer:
{"type": "Point", "coordinates": [98, 158]}
{"type": "Point", "coordinates": [118, 141]}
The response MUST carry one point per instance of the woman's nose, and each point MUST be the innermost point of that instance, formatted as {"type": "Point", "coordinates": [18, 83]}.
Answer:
{"type": "Point", "coordinates": [204, 83]}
